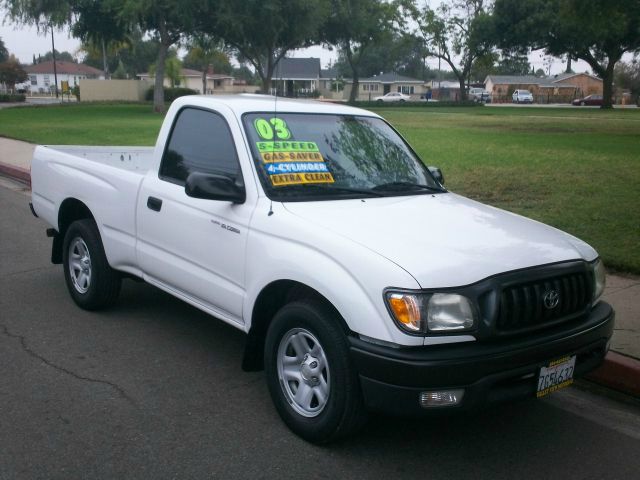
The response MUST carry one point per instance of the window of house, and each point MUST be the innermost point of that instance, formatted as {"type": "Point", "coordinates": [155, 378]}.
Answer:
{"type": "Point", "coordinates": [46, 80]}
{"type": "Point", "coordinates": [33, 79]}
{"type": "Point", "coordinates": [406, 89]}
{"type": "Point", "coordinates": [200, 141]}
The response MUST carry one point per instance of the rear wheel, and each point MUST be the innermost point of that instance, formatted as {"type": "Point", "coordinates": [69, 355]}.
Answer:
{"type": "Point", "coordinates": [92, 283]}
{"type": "Point", "coordinates": [582, 104]}
{"type": "Point", "coordinates": [309, 373]}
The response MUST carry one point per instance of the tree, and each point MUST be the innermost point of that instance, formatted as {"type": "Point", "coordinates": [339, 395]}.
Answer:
{"type": "Point", "coordinates": [4, 54]}
{"type": "Point", "coordinates": [59, 56]}
{"type": "Point", "coordinates": [513, 64]}
{"type": "Point", "coordinates": [167, 21]}
{"type": "Point", "coordinates": [172, 70]}
{"type": "Point", "coordinates": [596, 31]}
{"type": "Point", "coordinates": [627, 76]}
{"type": "Point", "coordinates": [395, 52]}
{"type": "Point", "coordinates": [99, 23]}
{"type": "Point", "coordinates": [355, 26]}
{"type": "Point", "coordinates": [134, 53]}
{"type": "Point", "coordinates": [11, 72]}
{"type": "Point", "coordinates": [458, 33]}
{"type": "Point", "coordinates": [263, 31]}
{"type": "Point", "coordinates": [206, 51]}
{"type": "Point", "coordinates": [42, 14]}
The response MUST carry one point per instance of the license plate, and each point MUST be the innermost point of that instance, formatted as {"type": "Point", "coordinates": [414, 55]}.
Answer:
{"type": "Point", "coordinates": [558, 374]}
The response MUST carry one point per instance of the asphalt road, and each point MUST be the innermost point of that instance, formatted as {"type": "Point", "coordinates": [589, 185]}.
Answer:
{"type": "Point", "coordinates": [153, 389]}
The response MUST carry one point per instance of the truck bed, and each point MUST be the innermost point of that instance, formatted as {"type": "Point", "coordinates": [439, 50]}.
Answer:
{"type": "Point", "coordinates": [105, 179]}
{"type": "Point", "coordinates": [138, 159]}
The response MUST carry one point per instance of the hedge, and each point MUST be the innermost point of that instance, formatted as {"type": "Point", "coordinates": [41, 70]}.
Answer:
{"type": "Point", "coordinates": [421, 103]}
{"type": "Point", "coordinates": [12, 97]}
{"type": "Point", "coordinates": [170, 94]}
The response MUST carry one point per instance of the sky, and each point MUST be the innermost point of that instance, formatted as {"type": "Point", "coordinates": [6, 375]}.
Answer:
{"type": "Point", "coordinates": [24, 42]}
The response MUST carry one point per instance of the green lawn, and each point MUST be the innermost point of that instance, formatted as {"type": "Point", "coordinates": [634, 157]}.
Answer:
{"type": "Point", "coordinates": [577, 169]}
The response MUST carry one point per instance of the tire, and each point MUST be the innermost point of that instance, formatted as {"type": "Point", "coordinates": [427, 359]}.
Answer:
{"type": "Point", "coordinates": [92, 283]}
{"type": "Point", "coordinates": [582, 104]}
{"type": "Point", "coordinates": [330, 405]}
{"type": "Point", "coordinates": [402, 100]}
{"type": "Point", "coordinates": [379, 101]}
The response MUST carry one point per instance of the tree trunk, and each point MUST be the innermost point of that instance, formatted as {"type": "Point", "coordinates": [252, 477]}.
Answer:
{"type": "Point", "coordinates": [204, 81]}
{"type": "Point", "coordinates": [105, 65]}
{"type": "Point", "coordinates": [355, 85]}
{"type": "Point", "coordinates": [568, 70]}
{"type": "Point", "coordinates": [463, 87]}
{"type": "Point", "coordinates": [158, 88]}
{"type": "Point", "coordinates": [267, 75]}
{"type": "Point", "coordinates": [607, 86]}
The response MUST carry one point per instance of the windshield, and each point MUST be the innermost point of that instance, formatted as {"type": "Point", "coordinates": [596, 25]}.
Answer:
{"type": "Point", "coordinates": [303, 156]}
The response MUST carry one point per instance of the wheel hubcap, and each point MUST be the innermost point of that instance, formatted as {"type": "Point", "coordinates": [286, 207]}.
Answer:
{"type": "Point", "coordinates": [79, 265]}
{"type": "Point", "coordinates": [303, 372]}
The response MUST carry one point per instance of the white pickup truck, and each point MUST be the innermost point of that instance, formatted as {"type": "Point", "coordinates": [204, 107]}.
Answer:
{"type": "Point", "coordinates": [361, 282]}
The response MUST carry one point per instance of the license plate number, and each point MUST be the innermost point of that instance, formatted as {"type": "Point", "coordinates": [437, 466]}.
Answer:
{"type": "Point", "coordinates": [558, 374]}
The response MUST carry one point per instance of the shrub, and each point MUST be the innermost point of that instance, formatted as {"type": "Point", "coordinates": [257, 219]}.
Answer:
{"type": "Point", "coordinates": [442, 103]}
{"type": "Point", "coordinates": [11, 97]}
{"type": "Point", "coordinates": [170, 94]}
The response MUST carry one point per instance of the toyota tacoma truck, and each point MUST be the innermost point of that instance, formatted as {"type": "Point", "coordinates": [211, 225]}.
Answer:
{"type": "Point", "coordinates": [361, 282]}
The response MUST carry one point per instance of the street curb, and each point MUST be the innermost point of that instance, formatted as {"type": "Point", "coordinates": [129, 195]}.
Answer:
{"type": "Point", "coordinates": [618, 372]}
{"type": "Point", "coordinates": [22, 175]}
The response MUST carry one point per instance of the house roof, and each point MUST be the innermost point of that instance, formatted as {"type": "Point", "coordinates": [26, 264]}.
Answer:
{"type": "Point", "coordinates": [331, 72]}
{"type": "Point", "coordinates": [390, 77]}
{"type": "Point", "coordinates": [68, 68]}
{"type": "Point", "coordinates": [297, 69]}
{"type": "Point", "coordinates": [560, 77]}
{"type": "Point", "coordinates": [516, 79]}
{"type": "Point", "coordinates": [544, 82]}
{"type": "Point", "coordinates": [188, 72]}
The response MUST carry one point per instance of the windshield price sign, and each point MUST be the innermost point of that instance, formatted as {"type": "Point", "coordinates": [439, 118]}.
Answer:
{"type": "Point", "coordinates": [289, 162]}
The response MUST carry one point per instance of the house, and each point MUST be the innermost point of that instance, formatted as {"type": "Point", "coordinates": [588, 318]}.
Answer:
{"type": "Point", "coordinates": [41, 75]}
{"type": "Point", "coordinates": [296, 77]}
{"type": "Point", "coordinates": [216, 82]}
{"type": "Point", "coordinates": [445, 90]}
{"type": "Point", "coordinates": [556, 88]}
{"type": "Point", "coordinates": [586, 83]}
{"type": "Point", "coordinates": [330, 85]}
{"type": "Point", "coordinates": [379, 85]}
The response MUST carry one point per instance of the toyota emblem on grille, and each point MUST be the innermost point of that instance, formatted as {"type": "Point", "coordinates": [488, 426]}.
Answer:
{"type": "Point", "coordinates": [551, 299]}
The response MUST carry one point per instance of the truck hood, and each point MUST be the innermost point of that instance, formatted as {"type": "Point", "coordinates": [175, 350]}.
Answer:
{"type": "Point", "coordinates": [444, 240]}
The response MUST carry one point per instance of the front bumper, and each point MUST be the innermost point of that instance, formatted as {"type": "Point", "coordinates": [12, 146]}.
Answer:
{"type": "Point", "coordinates": [392, 379]}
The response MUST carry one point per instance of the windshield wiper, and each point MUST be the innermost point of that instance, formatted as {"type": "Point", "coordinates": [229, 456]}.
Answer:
{"type": "Point", "coordinates": [330, 188]}
{"type": "Point", "coordinates": [398, 185]}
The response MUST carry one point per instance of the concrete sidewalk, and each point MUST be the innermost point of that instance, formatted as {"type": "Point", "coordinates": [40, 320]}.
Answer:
{"type": "Point", "coordinates": [622, 367]}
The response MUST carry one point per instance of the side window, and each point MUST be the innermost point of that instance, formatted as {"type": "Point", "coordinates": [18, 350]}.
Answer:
{"type": "Point", "coordinates": [199, 142]}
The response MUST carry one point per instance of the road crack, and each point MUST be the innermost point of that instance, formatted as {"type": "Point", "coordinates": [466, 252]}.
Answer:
{"type": "Point", "coordinates": [23, 342]}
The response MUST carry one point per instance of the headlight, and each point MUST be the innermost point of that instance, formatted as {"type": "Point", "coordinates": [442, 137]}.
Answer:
{"type": "Point", "coordinates": [599, 280]}
{"type": "Point", "coordinates": [431, 312]}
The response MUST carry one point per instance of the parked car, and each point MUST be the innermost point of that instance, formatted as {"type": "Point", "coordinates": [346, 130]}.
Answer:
{"type": "Point", "coordinates": [588, 100]}
{"type": "Point", "coordinates": [479, 95]}
{"type": "Point", "coordinates": [522, 96]}
{"type": "Point", "coordinates": [393, 97]}
{"type": "Point", "coordinates": [361, 282]}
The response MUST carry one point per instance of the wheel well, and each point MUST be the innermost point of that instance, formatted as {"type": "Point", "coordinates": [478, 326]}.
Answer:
{"type": "Point", "coordinates": [70, 210]}
{"type": "Point", "coordinates": [271, 299]}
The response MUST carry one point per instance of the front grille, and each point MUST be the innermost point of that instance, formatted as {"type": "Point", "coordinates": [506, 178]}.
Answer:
{"type": "Point", "coordinates": [522, 306]}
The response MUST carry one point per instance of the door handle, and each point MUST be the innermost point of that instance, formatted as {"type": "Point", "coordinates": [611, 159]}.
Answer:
{"type": "Point", "coordinates": [154, 203]}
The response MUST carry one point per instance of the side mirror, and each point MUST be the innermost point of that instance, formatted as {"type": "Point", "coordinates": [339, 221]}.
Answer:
{"type": "Point", "coordinates": [213, 187]}
{"type": "Point", "coordinates": [437, 174]}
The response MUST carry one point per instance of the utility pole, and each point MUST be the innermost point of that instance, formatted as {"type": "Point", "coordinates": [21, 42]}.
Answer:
{"type": "Point", "coordinates": [55, 69]}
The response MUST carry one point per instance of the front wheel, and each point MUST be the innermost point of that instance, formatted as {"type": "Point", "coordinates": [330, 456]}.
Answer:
{"type": "Point", "coordinates": [313, 385]}
{"type": "Point", "coordinates": [91, 281]}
